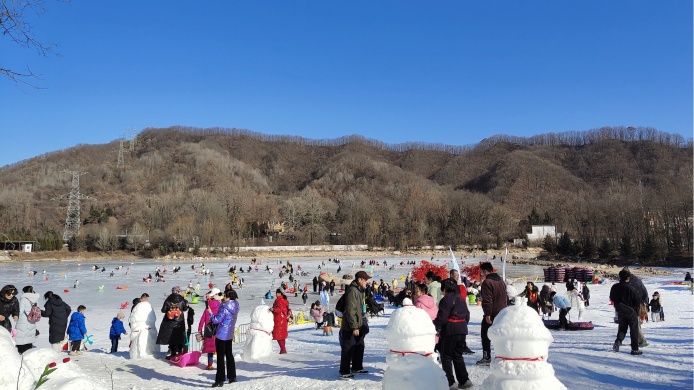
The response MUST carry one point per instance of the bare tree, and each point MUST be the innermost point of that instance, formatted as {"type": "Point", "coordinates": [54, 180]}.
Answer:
{"type": "Point", "coordinates": [14, 25]}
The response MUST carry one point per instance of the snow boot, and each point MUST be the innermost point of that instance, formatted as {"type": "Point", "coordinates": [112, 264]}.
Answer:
{"type": "Point", "coordinates": [636, 352]}
{"type": "Point", "coordinates": [615, 347]}
{"type": "Point", "coordinates": [468, 384]}
{"type": "Point", "coordinates": [486, 359]}
{"type": "Point", "coordinates": [467, 351]}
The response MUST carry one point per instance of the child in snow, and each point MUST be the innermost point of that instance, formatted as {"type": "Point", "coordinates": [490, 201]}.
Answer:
{"type": "Point", "coordinates": [655, 307]}
{"type": "Point", "coordinates": [304, 297]}
{"type": "Point", "coordinates": [76, 330]}
{"type": "Point", "coordinates": [117, 329]}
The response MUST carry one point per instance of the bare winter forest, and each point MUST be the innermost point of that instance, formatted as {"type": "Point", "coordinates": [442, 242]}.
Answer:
{"type": "Point", "coordinates": [614, 192]}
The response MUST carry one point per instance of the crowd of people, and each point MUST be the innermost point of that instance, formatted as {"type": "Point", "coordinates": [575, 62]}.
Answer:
{"type": "Point", "coordinates": [444, 300]}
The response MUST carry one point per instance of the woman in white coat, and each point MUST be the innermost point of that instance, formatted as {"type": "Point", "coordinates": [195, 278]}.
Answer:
{"type": "Point", "coordinates": [26, 331]}
{"type": "Point", "coordinates": [143, 331]}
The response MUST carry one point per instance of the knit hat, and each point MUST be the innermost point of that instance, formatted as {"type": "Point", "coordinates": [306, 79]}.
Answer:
{"type": "Point", "coordinates": [176, 290]}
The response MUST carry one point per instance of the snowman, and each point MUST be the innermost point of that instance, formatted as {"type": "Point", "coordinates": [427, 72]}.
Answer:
{"type": "Point", "coordinates": [143, 331]}
{"type": "Point", "coordinates": [259, 337]}
{"type": "Point", "coordinates": [521, 344]}
{"type": "Point", "coordinates": [412, 361]}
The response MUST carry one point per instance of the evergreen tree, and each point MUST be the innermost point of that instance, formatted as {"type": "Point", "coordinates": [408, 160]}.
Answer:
{"type": "Point", "coordinates": [649, 249]}
{"type": "Point", "coordinates": [549, 244]}
{"type": "Point", "coordinates": [565, 246]}
{"type": "Point", "coordinates": [675, 244]}
{"type": "Point", "coordinates": [587, 247]}
{"type": "Point", "coordinates": [605, 249]}
{"type": "Point", "coordinates": [626, 249]}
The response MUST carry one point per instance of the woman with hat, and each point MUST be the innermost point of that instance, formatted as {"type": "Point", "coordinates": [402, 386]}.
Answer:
{"type": "Point", "coordinates": [280, 312]}
{"type": "Point", "coordinates": [9, 306]}
{"type": "Point", "coordinates": [212, 302]}
{"type": "Point", "coordinates": [172, 331]}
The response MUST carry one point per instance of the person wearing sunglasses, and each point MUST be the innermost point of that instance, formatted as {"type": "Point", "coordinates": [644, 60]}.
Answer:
{"type": "Point", "coordinates": [9, 306]}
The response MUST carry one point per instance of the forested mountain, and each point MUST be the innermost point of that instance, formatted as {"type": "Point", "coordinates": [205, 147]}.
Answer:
{"type": "Point", "coordinates": [615, 191]}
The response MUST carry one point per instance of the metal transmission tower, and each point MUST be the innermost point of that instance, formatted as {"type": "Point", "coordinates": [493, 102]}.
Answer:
{"type": "Point", "coordinates": [133, 139]}
{"type": "Point", "coordinates": [73, 219]}
{"type": "Point", "coordinates": [121, 160]}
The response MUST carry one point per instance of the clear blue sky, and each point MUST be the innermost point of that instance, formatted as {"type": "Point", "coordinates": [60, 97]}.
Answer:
{"type": "Point", "coordinates": [453, 72]}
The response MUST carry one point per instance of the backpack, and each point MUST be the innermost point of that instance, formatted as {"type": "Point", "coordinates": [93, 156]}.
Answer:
{"type": "Point", "coordinates": [34, 315]}
{"type": "Point", "coordinates": [340, 306]}
{"type": "Point", "coordinates": [174, 312]}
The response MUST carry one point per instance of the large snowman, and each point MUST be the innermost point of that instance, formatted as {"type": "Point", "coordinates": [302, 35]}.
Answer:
{"type": "Point", "coordinates": [521, 345]}
{"type": "Point", "coordinates": [259, 337]}
{"type": "Point", "coordinates": [411, 360]}
{"type": "Point", "coordinates": [143, 331]}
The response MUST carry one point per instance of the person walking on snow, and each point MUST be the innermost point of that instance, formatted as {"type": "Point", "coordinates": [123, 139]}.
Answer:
{"type": "Point", "coordinates": [280, 313]}
{"type": "Point", "coordinates": [627, 303]}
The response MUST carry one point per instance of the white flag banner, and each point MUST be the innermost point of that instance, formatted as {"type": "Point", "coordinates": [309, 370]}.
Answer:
{"type": "Point", "coordinates": [454, 264]}
{"type": "Point", "coordinates": [503, 264]}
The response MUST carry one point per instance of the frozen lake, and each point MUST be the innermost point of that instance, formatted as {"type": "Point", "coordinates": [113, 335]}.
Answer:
{"type": "Point", "coordinates": [61, 276]}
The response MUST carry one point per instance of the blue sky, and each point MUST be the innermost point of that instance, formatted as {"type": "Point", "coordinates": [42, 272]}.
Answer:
{"type": "Point", "coordinates": [452, 72]}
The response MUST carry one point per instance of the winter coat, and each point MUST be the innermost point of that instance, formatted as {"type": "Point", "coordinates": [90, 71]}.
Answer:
{"type": "Point", "coordinates": [545, 300]}
{"type": "Point", "coordinates": [208, 342]}
{"type": "Point", "coordinates": [494, 297]}
{"type": "Point", "coordinates": [586, 292]}
{"type": "Point", "coordinates": [575, 299]}
{"type": "Point", "coordinates": [640, 289]}
{"type": "Point", "coordinates": [26, 331]}
{"type": "Point", "coordinates": [116, 330]}
{"type": "Point", "coordinates": [453, 315]}
{"type": "Point", "coordinates": [173, 331]}
{"type": "Point", "coordinates": [280, 314]}
{"type": "Point", "coordinates": [317, 314]}
{"type": "Point", "coordinates": [533, 297]}
{"type": "Point", "coordinates": [626, 299]}
{"type": "Point", "coordinates": [426, 303]}
{"type": "Point", "coordinates": [655, 306]}
{"type": "Point", "coordinates": [353, 316]}
{"type": "Point", "coordinates": [226, 319]}
{"type": "Point", "coordinates": [77, 328]}
{"type": "Point", "coordinates": [57, 312]}
{"type": "Point", "coordinates": [561, 302]}
{"type": "Point", "coordinates": [434, 289]}
{"type": "Point", "coordinates": [8, 308]}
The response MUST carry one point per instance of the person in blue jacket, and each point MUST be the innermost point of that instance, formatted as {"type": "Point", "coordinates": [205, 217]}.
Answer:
{"type": "Point", "coordinates": [563, 304]}
{"type": "Point", "coordinates": [117, 329]}
{"type": "Point", "coordinates": [76, 330]}
{"type": "Point", "coordinates": [226, 321]}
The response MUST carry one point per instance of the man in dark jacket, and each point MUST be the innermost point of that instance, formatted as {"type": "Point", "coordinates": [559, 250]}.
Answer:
{"type": "Point", "coordinates": [642, 293]}
{"type": "Point", "coordinates": [58, 313]}
{"type": "Point", "coordinates": [172, 330]}
{"type": "Point", "coordinates": [354, 328]}
{"type": "Point", "coordinates": [451, 322]}
{"type": "Point", "coordinates": [627, 302]}
{"type": "Point", "coordinates": [9, 306]}
{"type": "Point", "coordinates": [494, 299]}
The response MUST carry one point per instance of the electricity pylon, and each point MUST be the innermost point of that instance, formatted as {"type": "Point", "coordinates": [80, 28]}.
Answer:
{"type": "Point", "coordinates": [73, 219]}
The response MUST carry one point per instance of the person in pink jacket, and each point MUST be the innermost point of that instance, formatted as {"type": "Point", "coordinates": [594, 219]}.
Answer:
{"type": "Point", "coordinates": [425, 302]}
{"type": "Point", "coordinates": [208, 343]}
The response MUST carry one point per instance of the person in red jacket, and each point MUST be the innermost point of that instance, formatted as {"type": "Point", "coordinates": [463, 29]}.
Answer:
{"type": "Point", "coordinates": [280, 312]}
{"type": "Point", "coordinates": [494, 299]}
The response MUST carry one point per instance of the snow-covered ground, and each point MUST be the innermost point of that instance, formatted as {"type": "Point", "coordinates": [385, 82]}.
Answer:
{"type": "Point", "coordinates": [581, 359]}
